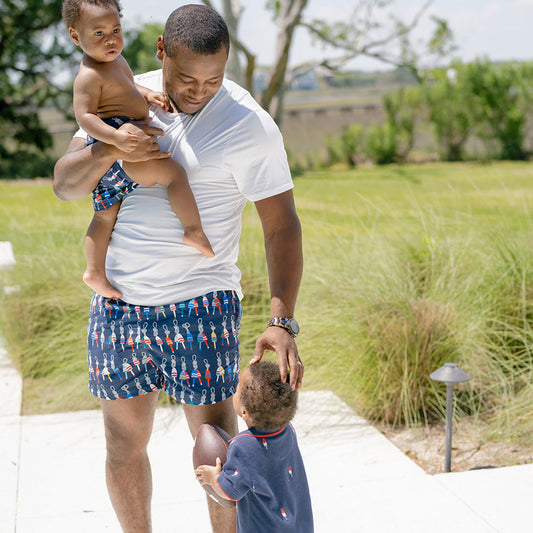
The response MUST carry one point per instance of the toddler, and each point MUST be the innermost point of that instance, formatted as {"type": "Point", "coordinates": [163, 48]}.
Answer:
{"type": "Point", "coordinates": [264, 471]}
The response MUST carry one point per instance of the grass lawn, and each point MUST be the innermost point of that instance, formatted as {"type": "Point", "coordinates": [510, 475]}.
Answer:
{"type": "Point", "coordinates": [406, 267]}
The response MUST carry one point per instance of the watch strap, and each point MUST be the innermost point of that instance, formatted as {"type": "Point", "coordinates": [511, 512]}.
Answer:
{"type": "Point", "coordinates": [283, 322]}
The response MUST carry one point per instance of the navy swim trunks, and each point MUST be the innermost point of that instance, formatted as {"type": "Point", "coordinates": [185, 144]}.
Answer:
{"type": "Point", "coordinates": [115, 183]}
{"type": "Point", "coordinates": [189, 349]}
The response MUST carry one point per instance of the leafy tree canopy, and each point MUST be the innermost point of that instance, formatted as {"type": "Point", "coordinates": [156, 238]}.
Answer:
{"type": "Point", "coordinates": [32, 44]}
{"type": "Point", "coordinates": [141, 47]}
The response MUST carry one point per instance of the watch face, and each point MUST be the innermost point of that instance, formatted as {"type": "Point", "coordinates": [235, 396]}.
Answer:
{"type": "Point", "coordinates": [289, 324]}
{"type": "Point", "coordinates": [293, 325]}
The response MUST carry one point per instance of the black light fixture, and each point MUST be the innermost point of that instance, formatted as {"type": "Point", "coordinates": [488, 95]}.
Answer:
{"type": "Point", "coordinates": [449, 373]}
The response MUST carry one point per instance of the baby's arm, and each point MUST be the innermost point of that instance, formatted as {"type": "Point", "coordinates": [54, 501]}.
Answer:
{"type": "Point", "coordinates": [87, 92]}
{"type": "Point", "coordinates": [154, 97]}
{"type": "Point", "coordinates": [208, 475]}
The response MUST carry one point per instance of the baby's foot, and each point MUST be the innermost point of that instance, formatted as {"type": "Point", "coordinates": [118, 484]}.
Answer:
{"type": "Point", "coordinates": [100, 285]}
{"type": "Point", "coordinates": [197, 239]}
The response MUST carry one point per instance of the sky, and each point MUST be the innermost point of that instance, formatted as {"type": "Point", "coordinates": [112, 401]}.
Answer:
{"type": "Point", "coordinates": [496, 29]}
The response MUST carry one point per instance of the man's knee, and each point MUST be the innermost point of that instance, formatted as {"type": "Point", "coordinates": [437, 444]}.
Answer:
{"type": "Point", "coordinates": [128, 427]}
{"type": "Point", "coordinates": [126, 441]}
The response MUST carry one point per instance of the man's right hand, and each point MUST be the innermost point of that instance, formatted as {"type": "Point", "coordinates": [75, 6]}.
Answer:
{"type": "Point", "coordinates": [147, 147]}
{"type": "Point", "coordinates": [79, 170]}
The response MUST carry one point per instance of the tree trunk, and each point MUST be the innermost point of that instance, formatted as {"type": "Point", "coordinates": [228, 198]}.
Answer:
{"type": "Point", "coordinates": [288, 18]}
{"type": "Point", "coordinates": [232, 10]}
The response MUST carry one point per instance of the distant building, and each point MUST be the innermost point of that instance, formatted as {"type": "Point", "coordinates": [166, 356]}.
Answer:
{"type": "Point", "coordinates": [305, 82]}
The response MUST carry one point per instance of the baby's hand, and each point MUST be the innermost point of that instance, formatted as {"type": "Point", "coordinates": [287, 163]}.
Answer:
{"type": "Point", "coordinates": [125, 140]}
{"type": "Point", "coordinates": [160, 99]}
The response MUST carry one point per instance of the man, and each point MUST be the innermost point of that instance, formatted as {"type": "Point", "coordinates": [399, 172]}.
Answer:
{"type": "Point", "coordinates": [232, 152]}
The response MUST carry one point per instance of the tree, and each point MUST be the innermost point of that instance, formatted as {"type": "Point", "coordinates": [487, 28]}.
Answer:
{"type": "Point", "coordinates": [29, 50]}
{"type": "Point", "coordinates": [501, 111]}
{"type": "Point", "coordinates": [141, 47]}
{"type": "Point", "coordinates": [367, 32]}
{"type": "Point", "coordinates": [288, 15]}
{"type": "Point", "coordinates": [450, 104]}
{"type": "Point", "coordinates": [232, 11]}
{"type": "Point", "coordinates": [402, 109]}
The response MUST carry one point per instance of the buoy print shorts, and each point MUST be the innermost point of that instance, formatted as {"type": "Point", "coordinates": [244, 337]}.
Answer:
{"type": "Point", "coordinates": [189, 349]}
{"type": "Point", "coordinates": [112, 187]}
{"type": "Point", "coordinates": [115, 183]}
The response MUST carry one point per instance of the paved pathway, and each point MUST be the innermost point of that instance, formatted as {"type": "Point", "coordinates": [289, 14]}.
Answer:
{"type": "Point", "coordinates": [52, 478]}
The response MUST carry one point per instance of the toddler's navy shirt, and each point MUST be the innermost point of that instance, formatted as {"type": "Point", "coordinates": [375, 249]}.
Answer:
{"type": "Point", "coordinates": [265, 475]}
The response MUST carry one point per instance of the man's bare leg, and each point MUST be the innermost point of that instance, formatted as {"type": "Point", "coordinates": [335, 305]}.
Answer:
{"type": "Point", "coordinates": [223, 415]}
{"type": "Point", "coordinates": [128, 427]}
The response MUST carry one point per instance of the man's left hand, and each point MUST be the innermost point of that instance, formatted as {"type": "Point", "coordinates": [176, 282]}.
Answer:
{"type": "Point", "coordinates": [280, 341]}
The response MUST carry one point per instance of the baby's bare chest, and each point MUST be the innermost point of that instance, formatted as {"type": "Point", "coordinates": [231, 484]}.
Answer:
{"type": "Point", "coordinates": [120, 97]}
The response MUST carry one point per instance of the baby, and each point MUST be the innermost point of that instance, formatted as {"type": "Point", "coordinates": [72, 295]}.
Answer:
{"type": "Point", "coordinates": [105, 96]}
{"type": "Point", "coordinates": [264, 470]}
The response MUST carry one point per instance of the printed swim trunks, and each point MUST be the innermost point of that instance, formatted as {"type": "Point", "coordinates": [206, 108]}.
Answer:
{"type": "Point", "coordinates": [115, 183]}
{"type": "Point", "coordinates": [189, 349]}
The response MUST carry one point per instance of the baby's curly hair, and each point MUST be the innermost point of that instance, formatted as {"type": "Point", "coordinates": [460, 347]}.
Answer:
{"type": "Point", "coordinates": [71, 11]}
{"type": "Point", "coordinates": [272, 404]}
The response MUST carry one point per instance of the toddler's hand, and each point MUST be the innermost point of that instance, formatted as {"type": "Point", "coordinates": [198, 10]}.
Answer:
{"type": "Point", "coordinates": [207, 475]}
{"type": "Point", "coordinates": [126, 140]}
{"type": "Point", "coordinates": [160, 99]}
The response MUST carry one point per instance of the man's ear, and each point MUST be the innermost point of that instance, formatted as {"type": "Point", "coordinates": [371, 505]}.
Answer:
{"type": "Point", "coordinates": [74, 36]}
{"type": "Point", "coordinates": [160, 48]}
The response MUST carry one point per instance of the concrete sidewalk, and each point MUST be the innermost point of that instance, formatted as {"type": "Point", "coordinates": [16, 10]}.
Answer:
{"type": "Point", "coordinates": [52, 476]}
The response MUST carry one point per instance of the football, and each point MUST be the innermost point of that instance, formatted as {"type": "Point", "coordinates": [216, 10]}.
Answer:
{"type": "Point", "coordinates": [211, 442]}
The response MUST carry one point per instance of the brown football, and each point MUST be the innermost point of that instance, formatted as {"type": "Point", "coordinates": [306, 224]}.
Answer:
{"type": "Point", "coordinates": [211, 442]}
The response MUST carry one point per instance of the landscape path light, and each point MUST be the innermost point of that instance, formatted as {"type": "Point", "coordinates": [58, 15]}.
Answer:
{"type": "Point", "coordinates": [449, 373]}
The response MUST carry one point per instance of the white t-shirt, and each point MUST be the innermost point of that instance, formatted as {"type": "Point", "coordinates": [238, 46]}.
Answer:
{"type": "Point", "coordinates": [232, 152]}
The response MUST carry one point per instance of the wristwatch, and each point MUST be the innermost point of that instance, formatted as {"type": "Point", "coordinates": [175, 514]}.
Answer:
{"type": "Point", "coordinates": [288, 324]}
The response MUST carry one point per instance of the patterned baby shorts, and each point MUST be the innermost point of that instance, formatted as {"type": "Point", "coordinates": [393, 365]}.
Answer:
{"type": "Point", "coordinates": [190, 349]}
{"type": "Point", "coordinates": [115, 183]}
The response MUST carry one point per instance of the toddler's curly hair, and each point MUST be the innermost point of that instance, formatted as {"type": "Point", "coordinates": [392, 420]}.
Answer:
{"type": "Point", "coordinates": [71, 11]}
{"type": "Point", "coordinates": [271, 403]}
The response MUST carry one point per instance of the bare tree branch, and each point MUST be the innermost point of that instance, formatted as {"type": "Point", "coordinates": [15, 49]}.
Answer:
{"type": "Point", "coordinates": [365, 34]}
{"type": "Point", "coordinates": [400, 31]}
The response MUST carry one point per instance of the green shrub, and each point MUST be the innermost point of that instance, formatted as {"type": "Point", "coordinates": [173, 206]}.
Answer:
{"type": "Point", "coordinates": [501, 93]}
{"type": "Point", "coordinates": [451, 109]}
{"type": "Point", "coordinates": [347, 147]}
{"type": "Point", "coordinates": [25, 165]}
{"type": "Point", "coordinates": [381, 143]}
